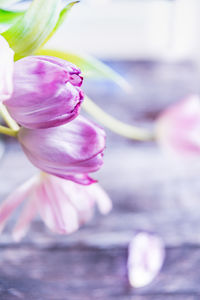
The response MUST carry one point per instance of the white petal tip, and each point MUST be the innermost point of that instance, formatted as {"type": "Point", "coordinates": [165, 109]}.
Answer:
{"type": "Point", "coordinates": [18, 235]}
{"type": "Point", "coordinates": [146, 257]}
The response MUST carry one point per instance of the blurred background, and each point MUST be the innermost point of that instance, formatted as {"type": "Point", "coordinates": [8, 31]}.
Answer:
{"type": "Point", "coordinates": [155, 46]}
{"type": "Point", "coordinates": [133, 29]}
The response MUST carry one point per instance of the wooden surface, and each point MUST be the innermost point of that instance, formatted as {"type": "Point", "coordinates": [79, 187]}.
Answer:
{"type": "Point", "coordinates": [149, 192]}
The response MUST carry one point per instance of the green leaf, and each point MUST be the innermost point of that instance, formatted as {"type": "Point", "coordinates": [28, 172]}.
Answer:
{"type": "Point", "coordinates": [61, 19]}
{"type": "Point", "coordinates": [90, 66]}
{"type": "Point", "coordinates": [32, 29]}
{"type": "Point", "coordinates": [9, 17]}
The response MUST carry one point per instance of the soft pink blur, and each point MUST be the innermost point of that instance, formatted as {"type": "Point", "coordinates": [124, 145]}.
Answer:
{"type": "Point", "coordinates": [63, 205]}
{"type": "Point", "coordinates": [178, 128]}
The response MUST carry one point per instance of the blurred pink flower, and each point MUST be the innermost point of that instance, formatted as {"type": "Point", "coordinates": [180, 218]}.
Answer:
{"type": "Point", "coordinates": [6, 69]}
{"type": "Point", "coordinates": [178, 128]}
{"type": "Point", "coordinates": [46, 92]}
{"type": "Point", "coordinates": [145, 259]}
{"type": "Point", "coordinates": [63, 205]}
{"type": "Point", "coordinates": [69, 151]}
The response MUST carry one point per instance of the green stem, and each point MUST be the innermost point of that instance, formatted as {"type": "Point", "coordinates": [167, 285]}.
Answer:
{"type": "Point", "coordinates": [8, 131]}
{"type": "Point", "coordinates": [128, 131]}
{"type": "Point", "coordinates": [8, 119]}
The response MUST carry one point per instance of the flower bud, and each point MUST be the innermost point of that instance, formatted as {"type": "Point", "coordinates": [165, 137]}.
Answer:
{"type": "Point", "coordinates": [6, 69]}
{"type": "Point", "coordinates": [178, 128]}
{"type": "Point", "coordinates": [46, 92]}
{"type": "Point", "coordinates": [69, 151]}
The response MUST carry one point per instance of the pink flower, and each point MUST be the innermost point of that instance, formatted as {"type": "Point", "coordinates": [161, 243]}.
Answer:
{"type": "Point", "coordinates": [145, 259]}
{"type": "Point", "coordinates": [70, 151]}
{"type": "Point", "coordinates": [178, 128]}
{"type": "Point", "coordinates": [63, 205]}
{"type": "Point", "coordinates": [6, 69]}
{"type": "Point", "coordinates": [46, 92]}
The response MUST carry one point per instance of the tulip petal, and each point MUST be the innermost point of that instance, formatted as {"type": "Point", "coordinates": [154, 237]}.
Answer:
{"type": "Point", "coordinates": [178, 127]}
{"type": "Point", "coordinates": [63, 205]}
{"type": "Point", "coordinates": [13, 200]}
{"type": "Point", "coordinates": [57, 213]}
{"type": "Point", "coordinates": [83, 198]}
{"type": "Point", "coordinates": [78, 196]}
{"type": "Point", "coordinates": [101, 198]}
{"type": "Point", "coordinates": [146, 256]}
{"type": "Point", "coordinates": [83, 179]}
{"type": "Point", "coordinates": [25, 218]}
{"type": "Point", "coordinates": [67, 150]}
{"type": "Point", "coordinates": [46, 92]}
{"type": "Point", "coordinates": [90, 66]}
{"type": "Point", "coordinates": [31, 30]}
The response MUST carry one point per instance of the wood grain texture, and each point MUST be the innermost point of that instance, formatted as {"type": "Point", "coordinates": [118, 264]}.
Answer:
{"type": "Point", "coordinates": [149, 192]}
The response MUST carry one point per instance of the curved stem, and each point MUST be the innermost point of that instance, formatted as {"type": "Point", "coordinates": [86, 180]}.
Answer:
{"type": "Point", "coordinates": [8, 119]}
{"type": "Point", "coordinates": [128, 131]}
{"type": "Point", "coordinates": [8, 131]}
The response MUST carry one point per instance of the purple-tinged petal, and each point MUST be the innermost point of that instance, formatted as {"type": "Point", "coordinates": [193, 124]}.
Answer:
{"type": "Point", "coordinates": [25, 218]}
{"type": "Point", "coordinates": [6, 70]}
{"type": "Point", "coordinates": [78, 196]}
{"type": "Point", "coordinates": [63, 205]}
{"type": "Point", "coordinates": [82, 198]}
{"type": "Point", "coordinates": [178, 128]}
{"type": "Point", "coordinates": [145, 259]}
{"type": "Point", "coordinates": [69, 151]}
{"type": "Point", "coordinates": [83, 179]}
{"type": "Point", "coordinates": [14, 200]}
{"type": "Point", "coordinates": [101, 198]}
{"type": "Point", "coordinates": [46, 92]}
{"type": "Point", "coordinates": [57, 213]}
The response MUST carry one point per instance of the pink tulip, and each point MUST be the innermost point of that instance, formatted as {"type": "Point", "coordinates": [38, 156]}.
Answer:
{"type": "Point", "coordinates": [70, 151]}
{"type": "Point", "coordinates": [145, 259]}
{"type": "Point", "coordinates": [178, 128]}
{"type": "Point", "coordinates": [63, 205]}
{"type": "Point", "coordinates": [6, 69]}
{"type": "Point", "coordinates": [46, 92]}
